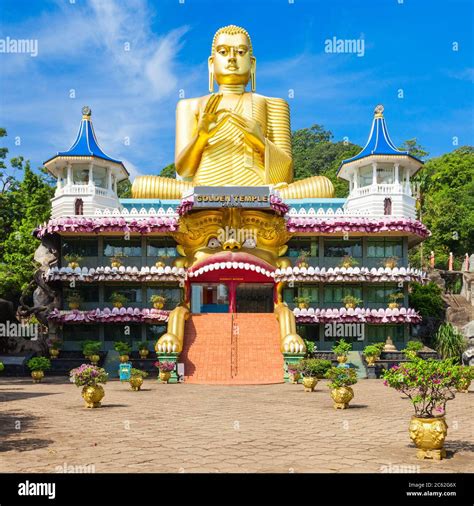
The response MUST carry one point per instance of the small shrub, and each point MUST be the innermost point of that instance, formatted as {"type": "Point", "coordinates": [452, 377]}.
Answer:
{"type": "Point", "coordinates": [123, 348]}
{"type": "Point", "coordinates": [350, 299]}
{"type": "Point", "coordinates": [313, 367]}
{"type": "Point", "coordinates": [341, 377]}
{"type": "Point", "coordinates": [449, 343]}
{"type": "Point", "coordinates": [427, 300]}
{"type": "Point", "coordinates": [39, 364]}
{"type": "Point", "coordinates": [138, 372]}
{"type": "Point", "coordinates": [342, 348]}
{"type": "Point", "coordinates": [372, 351]}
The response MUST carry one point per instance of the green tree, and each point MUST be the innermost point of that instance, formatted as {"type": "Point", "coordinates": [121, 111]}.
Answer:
{"type": "Point", "coordinates": [169, 171]}
{"type": "Point", "coordinates": [314, 154]}
{"type": "Point", "coordinates": [415, 149]}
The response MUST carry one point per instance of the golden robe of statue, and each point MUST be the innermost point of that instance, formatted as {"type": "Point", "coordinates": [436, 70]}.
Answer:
{"type": "Point", "coordinates": [233, 137]}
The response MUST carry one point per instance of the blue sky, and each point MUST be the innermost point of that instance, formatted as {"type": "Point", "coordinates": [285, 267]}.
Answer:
{"type": "Point", "coordinates": [133, 94]}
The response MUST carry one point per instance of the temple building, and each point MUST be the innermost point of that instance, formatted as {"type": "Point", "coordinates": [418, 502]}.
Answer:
{"type": "Point", "coordinates": [230, 268]}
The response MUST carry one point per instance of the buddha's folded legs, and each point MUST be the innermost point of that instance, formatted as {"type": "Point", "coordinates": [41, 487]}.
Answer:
{"type": "Point", "coordinates": [158, 187]}
{"type": "Point", "coordinates": [311, 187]}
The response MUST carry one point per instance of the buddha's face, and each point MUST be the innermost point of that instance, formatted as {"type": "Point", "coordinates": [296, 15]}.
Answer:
{"type": "Point", "coordinates": [231, 61]}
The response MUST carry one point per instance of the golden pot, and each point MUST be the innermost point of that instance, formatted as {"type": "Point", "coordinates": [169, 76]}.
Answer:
{"type": "Point", "coordinates": [463, 385]}
{"type": "Point", "coordinates": [74, 305]}
{"type": "Point", "coordinates": [341, 397]}
{"type": "Point", "coordinates": [342, 359]}
{"type": "Point", "coordinates": [124, 358]}
{"type": "Point", "coordinates": [310, 384]}
{"type": "Point", "coordinates": [165, 376]}
{"type": "Point", "coordinates": [136, 382]}
{"type": "Point", "coordinates": [54, 353]}
{"type": "Point", "coordinates": [143, 353]}
{"type": "Point", "coordinates": [350, 305]}
{"type": "Point", "coordinates": [390, 265]}
{"type": "Point", "coordinates": [429, 434]}
{"type": "Point", "coordinates": [294, 377]}
{"type": "Point", "coordinates": [94, 359]}
{"type": "Point", "coordinates": [303, 305]}
{"type": "Point", "coordinates": [73, 265]}
{"type": "Point", "coordinates": [371, 360]}
{"type": "Point", "coordinates": [37, 376]}
{"type": "Point", "coordinates": [116, 264]}
{"type": "Point", "coordinates": [158, 305]}
{"type": "Point", "coordinates": [303, 265]}
{"type": "Point", "coordinates": [393, 305]}
{"type": "Point", "coordinates": [159, 264]}
{"type": "Point", "coordinates": [92, 396]}
{"type": "Point", "coordinates": [118, 305]}
{"type": "Point", "coordinates": [346, 265]}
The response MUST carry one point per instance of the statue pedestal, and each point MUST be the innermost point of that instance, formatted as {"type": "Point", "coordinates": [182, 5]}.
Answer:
{"type": "Point", "coordinates": [371, 372]}
{"type": "Point", "coordinates": [291, 358]}
{"type": "Point", "coordinates": [170, 357]}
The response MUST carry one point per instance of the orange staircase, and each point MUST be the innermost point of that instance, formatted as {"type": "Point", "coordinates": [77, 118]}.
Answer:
{"type": "Point", "coordinates": [239, 349]}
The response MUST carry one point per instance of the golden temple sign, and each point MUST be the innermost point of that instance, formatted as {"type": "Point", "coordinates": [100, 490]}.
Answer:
{"type": "Point", "coordinates": [228, 196]}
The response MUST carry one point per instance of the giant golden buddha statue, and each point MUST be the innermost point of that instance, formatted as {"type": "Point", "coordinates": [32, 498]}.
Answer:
{"type": "Point", "coordinates": [232, 137]}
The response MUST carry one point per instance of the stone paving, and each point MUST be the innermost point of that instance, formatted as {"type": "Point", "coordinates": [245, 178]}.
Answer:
{"type": "Point", "coordinates": [199, 428]}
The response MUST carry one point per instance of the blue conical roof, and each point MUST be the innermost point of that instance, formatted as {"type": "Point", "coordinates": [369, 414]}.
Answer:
{"type": "Point", "coordinates": [86, 142]}
{"type": "Point", "coordinates": [379, 142]}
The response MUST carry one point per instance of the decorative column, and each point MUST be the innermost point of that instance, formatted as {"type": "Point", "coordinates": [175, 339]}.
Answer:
{"type": "Point", "coordinates": [69, 174]}
{"type": "Point", "coordinates": [60, 180]}
{"type": "Point", "coordinates": [356, 182]}
{"type": "Point", "coordinates": [170, 357]}
{"type": "Point", "coordinates": [91, 174]}
{"type": "Point", "coordinates": [374, 173]}
{"type": "Point", "coordinates": [109, 179]}
{"type": "Point", "coordinates": [397, 179]}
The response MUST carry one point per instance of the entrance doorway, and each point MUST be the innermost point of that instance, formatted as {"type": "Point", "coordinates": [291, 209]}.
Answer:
{"type": "Point", "coordinates": [254, 298]}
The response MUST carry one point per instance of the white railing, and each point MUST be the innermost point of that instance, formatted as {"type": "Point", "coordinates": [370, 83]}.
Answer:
{"type": "Point", "coordinates": [385, 189]}
{"type": "Point", "coordinates": [82, 189]}
{"type": "Point", "coordinates": [137, 212]}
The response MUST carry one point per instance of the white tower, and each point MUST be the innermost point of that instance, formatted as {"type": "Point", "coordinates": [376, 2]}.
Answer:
{"type": "Point", "coordinates": [379, 176]}
{"type": "Point", "coordinates": [87, 178]}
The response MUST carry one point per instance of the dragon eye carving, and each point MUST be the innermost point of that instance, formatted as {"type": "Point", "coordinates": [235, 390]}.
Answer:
{"type": "Point", "coordinates": [249, 243]}
{"type": "Point", "coordinates": [213, 243]}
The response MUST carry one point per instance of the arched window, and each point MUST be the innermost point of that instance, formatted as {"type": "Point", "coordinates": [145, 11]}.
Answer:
{"type": "Point", "coordinates": [387, 206]}
{"type": "Point", "coordinates": [78, 206]}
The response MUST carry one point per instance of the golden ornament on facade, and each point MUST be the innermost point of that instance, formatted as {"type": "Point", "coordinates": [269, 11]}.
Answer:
{"type": "Point", "coordinates": [429, 434]}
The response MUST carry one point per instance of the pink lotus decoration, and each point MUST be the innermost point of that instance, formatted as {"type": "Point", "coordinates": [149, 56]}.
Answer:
{"type": "Point", "coordinates": [356, 224]}
{"type": "Point", "coordinates": [357, 315]}
{"type": "Point", "coordinates": [185, 206]}
{"type": "Point", "coordinates": [98, 315]}
{"type": "Point", "coordinates": [108, 224]}
{"type": "Point", "coordinates": [277, 204]}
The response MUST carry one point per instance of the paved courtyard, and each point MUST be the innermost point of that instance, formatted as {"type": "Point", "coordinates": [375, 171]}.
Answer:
{"type": "Point", "coordinates": [196, 428]}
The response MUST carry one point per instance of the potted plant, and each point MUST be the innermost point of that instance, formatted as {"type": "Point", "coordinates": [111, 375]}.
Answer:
{"type": "Point", "coordinates": [466, 375]}
{"type": "Point", "coordinates": [54, 344]}
{"type": "Point", "coordinates": [165, 369]}
{"type": "Point", "coordinates": [136, 378]}
{"type": "Point", "coordinates": [371, 354]}
{"type": "Point", "coordinates": [429, 384]}
{"type": "Point", "coordinates": [412, 349]}
{"type": "Point", "coordinates": [310, 348]}
{"type": "Point", "coordinates": [91, 351]}
{"type": "Point", "coordinates": [123, 349]}
{"type": "Point", "coordinates": [74, 300]}
{"type": "Point", "coordinates": [347, 261]}
{"type": "Point", "coordinates": [393, 298]}
{"type": "Point", "coordinates": [341, 349]}
{"type": "Point", "coordinates": [2, 367]}
{"type": "Point", "coordinates": [390, 262]}
{"type": "Point", "coordinates": [303, 302]}
{"type": "Point", "coordinates": [72, 260]}
{"type": "Point", "coordinates": [116, 261]}
{"type": "Point", "coordinates": [143, 349]}
{"type": "Point", "coordinates": [301, 261]}
{"type": "Point", "coordinates": [351, 302]}
{"type": "Point", "coordinates": [161, 262]}
{"type": "Point", "coordinates": [158, 301]}
{"type": "Point", "coordinates": [90, 377]}
{"type": "Point", "coordinates": [340, 381]}
{"type": "Point", "coordinates": [118, 299]}
{"type": "Point", "coordinates": [293, 373]}
{"type": "Point", "coordinates": [37, 366]}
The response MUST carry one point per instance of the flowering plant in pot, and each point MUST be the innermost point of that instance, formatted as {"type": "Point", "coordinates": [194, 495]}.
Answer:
{"type": "Point", "coordinates": [118, 299]}
{"type": "Point", "coordinates": [294, 373]}
{"type": "Point", "coordinates": [302, 260]}
{"type": "Point", "coordinates": [37, 366]}
{"type": "Point", "coordinates": [303, 302]}
{"type": "Point", "coordinates": [412, 349]}
{"type": "Point", "coordinates": [389, 262]}
{"type": "Point", "coordinates": [90, 377]}
{"type": "Point", "coordinates": [351, 302]}
{"type": "Point", "coordinates": [466, 375]}
{"type": "Point", "coordinates": [123, 349]}
{"type": "Point", "coordinates": [158, 301]}
{"type": "Point", "coordinates": [393, 299]}
{"type": "Point", "coordinates": [340, 381]}
{"type": "Point", "coordinates": [72, 260]}
{"type": "Point", "coordinates": [341, 349]}
{"type": "Point", "coordinates": [371, 354]}
{"type": "Point", "coordinates": [143, 349]}
{"type": "Point", "coordinates": [429, 384]}
{"type": "Point", "coordinates": [54, 345]}
{"type": "Point", "coordinates": [347, 261]}
{"type": "Point", "coordinates": [74, 300]}
{"type": "Point", "coordinates": [165, 369]}
{"type": "Point", "coordinates": [136, 378]}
